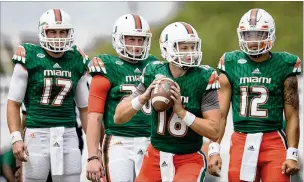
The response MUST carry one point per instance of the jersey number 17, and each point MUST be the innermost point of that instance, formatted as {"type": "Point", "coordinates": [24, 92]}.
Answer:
{"type": "Point", "coordinates": [66, 85]}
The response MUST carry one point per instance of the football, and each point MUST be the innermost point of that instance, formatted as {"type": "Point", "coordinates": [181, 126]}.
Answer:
{"type": "Point", "coordinates": [160, 95]}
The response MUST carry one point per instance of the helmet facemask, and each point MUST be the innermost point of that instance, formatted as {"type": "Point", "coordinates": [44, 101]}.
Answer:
{"type": "Point", "coordinates": [133, 52]}
{"type": "Point", "coordinates": [256, 42]}
{"type": "Point", "coordinates": [185, 53]}
{"type": "Point", "coordinates": [56, 44]}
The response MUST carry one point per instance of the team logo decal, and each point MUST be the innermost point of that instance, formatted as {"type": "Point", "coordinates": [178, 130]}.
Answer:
{"type": "Point", "coordinates": [242, 61]}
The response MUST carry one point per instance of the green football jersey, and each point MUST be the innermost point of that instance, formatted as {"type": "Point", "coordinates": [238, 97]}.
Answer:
{"type": "Point", "coordinates": [51, 87]}
{"type": "Point", "coordinates": [124, 77]}
{"type": "Point", "coordinates": [169, 133]}
{"type": "Point", "coordinates": [258, 89]}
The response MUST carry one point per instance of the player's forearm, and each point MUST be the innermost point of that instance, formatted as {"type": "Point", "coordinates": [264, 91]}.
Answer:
{"type": "Point", "coordinates": [102, 134]}
{"type": "Point", "coordinates": [93, 133]}
{"type": "Point", "coordinates": [13, 116]}
{"type": "Point", "coordinates": [291, 109]}
{"type": "Point", "coordinates": [83, 115]}
{"type": "Point", "coordinates": [23, 125]}
{"type": "Point", "coordinates": [223, 121]}
{"type": "Point", "coordinates": [224, 94]}
{"type": "Point", "coordinates": [206, 128]}
{"type": "Point", "coordinates": [23, 118]}
{"type": "Point", "coordinates": [222, 129]}
{"type": "Point", "coordinates": [293, 130]}
{"type": "Point", "coordinates": [125, 111]}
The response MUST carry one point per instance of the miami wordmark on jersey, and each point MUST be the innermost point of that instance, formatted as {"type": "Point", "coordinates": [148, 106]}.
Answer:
{"type": "Point", "coordinates": [124, 78]}
{"type": "Point", "coordinates": [52, 83]}
{"type": "Point", "coordinates": [169, 133]}
{"type": "Point", "coordinates": [258, 89]}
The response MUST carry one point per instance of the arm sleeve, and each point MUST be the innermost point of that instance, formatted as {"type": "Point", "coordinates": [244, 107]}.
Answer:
{"type": "Point", "coordinates": [99, 88]}
{"type": "Point", "coordinates": [18, 84]}
{"type": "Point", "coordinates": [294, 66]}
{"type": "Point", "coordinates": [82, 92]}
{"type": "Point", "coordinates": [210, 101]}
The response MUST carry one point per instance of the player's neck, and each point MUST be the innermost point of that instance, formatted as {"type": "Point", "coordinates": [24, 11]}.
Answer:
{"type": "Point", "coordinates": [128, 60]}
{"type": "Point", "coordinates": [261, 58]}
{"type": "Point", "coordinates": [176, 71]}
{"type": "Point", "coordinates": [55, 55]}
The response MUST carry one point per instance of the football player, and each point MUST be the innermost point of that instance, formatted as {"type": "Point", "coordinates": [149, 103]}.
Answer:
{"type": "Point", "coordinates": [48, 78]}
{"type": "Point", "coordinates": [260, 85]}
{"type": "Point", "coordinates": [176, 138]}
{"type": "Point", "coordinates": [113, 78]}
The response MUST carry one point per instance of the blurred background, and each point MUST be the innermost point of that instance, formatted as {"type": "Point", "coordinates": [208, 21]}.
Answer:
{"type": "Point", "coordinates": [216, 23]}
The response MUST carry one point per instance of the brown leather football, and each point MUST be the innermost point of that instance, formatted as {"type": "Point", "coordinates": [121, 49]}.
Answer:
{"type": "Point", "coordinates": [160, 95]}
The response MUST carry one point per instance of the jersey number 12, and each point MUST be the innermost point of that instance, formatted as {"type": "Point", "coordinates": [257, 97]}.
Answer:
{"type": "Point", "coordinates": [255, 102]}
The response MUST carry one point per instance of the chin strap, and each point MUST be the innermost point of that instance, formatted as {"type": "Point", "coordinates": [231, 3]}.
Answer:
{"type": "Point", "coordinates": [256, 56]}
{"type": "Point", "coordinates": [131, 56]}
{"type": "Point", "coordinates": [186, 68]}
{"type": "Point", "coordinates": [259, 55]}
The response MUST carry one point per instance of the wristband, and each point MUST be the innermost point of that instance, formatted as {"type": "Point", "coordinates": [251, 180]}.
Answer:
{"type": "Point", "coordinates": [16, 136]}
{"type": "Point", "coordinates": [93, 158]}
{"type": "Point", "coordinates": [213, 149]}
{"type": "Point", "coordinates": [292, 153]}
{"type": "Point", "coordinates": [136, 104]}
{"type": "Point", "coordinates": [189, 118]}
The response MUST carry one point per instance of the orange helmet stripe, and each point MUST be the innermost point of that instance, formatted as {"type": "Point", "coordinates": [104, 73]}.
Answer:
{"type": "Point", "coordinates": [137, 20]}
{"type": "Point", "coordinates": [188, 28]}
{"type": "Point", "coordinates": [58, 17]}
{"type": "Point", "coordinates": [253, 16]}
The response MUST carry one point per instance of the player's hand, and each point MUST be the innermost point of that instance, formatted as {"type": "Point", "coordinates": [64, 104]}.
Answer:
{"type": "Point", "coordinates": [94, 170]}
{"type": "Point", "coordinates": [215, 165]}
{"type": "Point", "coordinates": [143, 98]}
{"type": "Point", "coordinates": [20, 151]}
{"type": "Point", "coordinates": [290, 167]}
{"type": "Point", "coordinates": [176, 96]}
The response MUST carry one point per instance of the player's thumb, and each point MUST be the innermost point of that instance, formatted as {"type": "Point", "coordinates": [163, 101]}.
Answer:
{"type": "Point", "coordinates": [284, 168]}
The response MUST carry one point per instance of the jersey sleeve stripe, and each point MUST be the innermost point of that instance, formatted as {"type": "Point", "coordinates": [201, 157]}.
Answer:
{"type": "Point", "coordinates": [97, 65]}
{"type": "Point", "coordinates": [213, 82]}
{"type": "Point", "coordinates": [84, 56]}
{"type": "Point", "coordinates": [297, 66]}
{"type": "Point", "coordinates": [221, 64]}
{"type": "Point", "coordinates": [20, 54]}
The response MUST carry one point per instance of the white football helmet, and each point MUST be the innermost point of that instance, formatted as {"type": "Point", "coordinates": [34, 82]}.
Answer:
{"type": "Point", "coordinates": [171, 36]}
{"type": "Point", "coordinates": [131, 25]}
{"type": "Point", "coordinates": [55, 19]}
{"type": "Point", "coordinates": [256, 32]}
